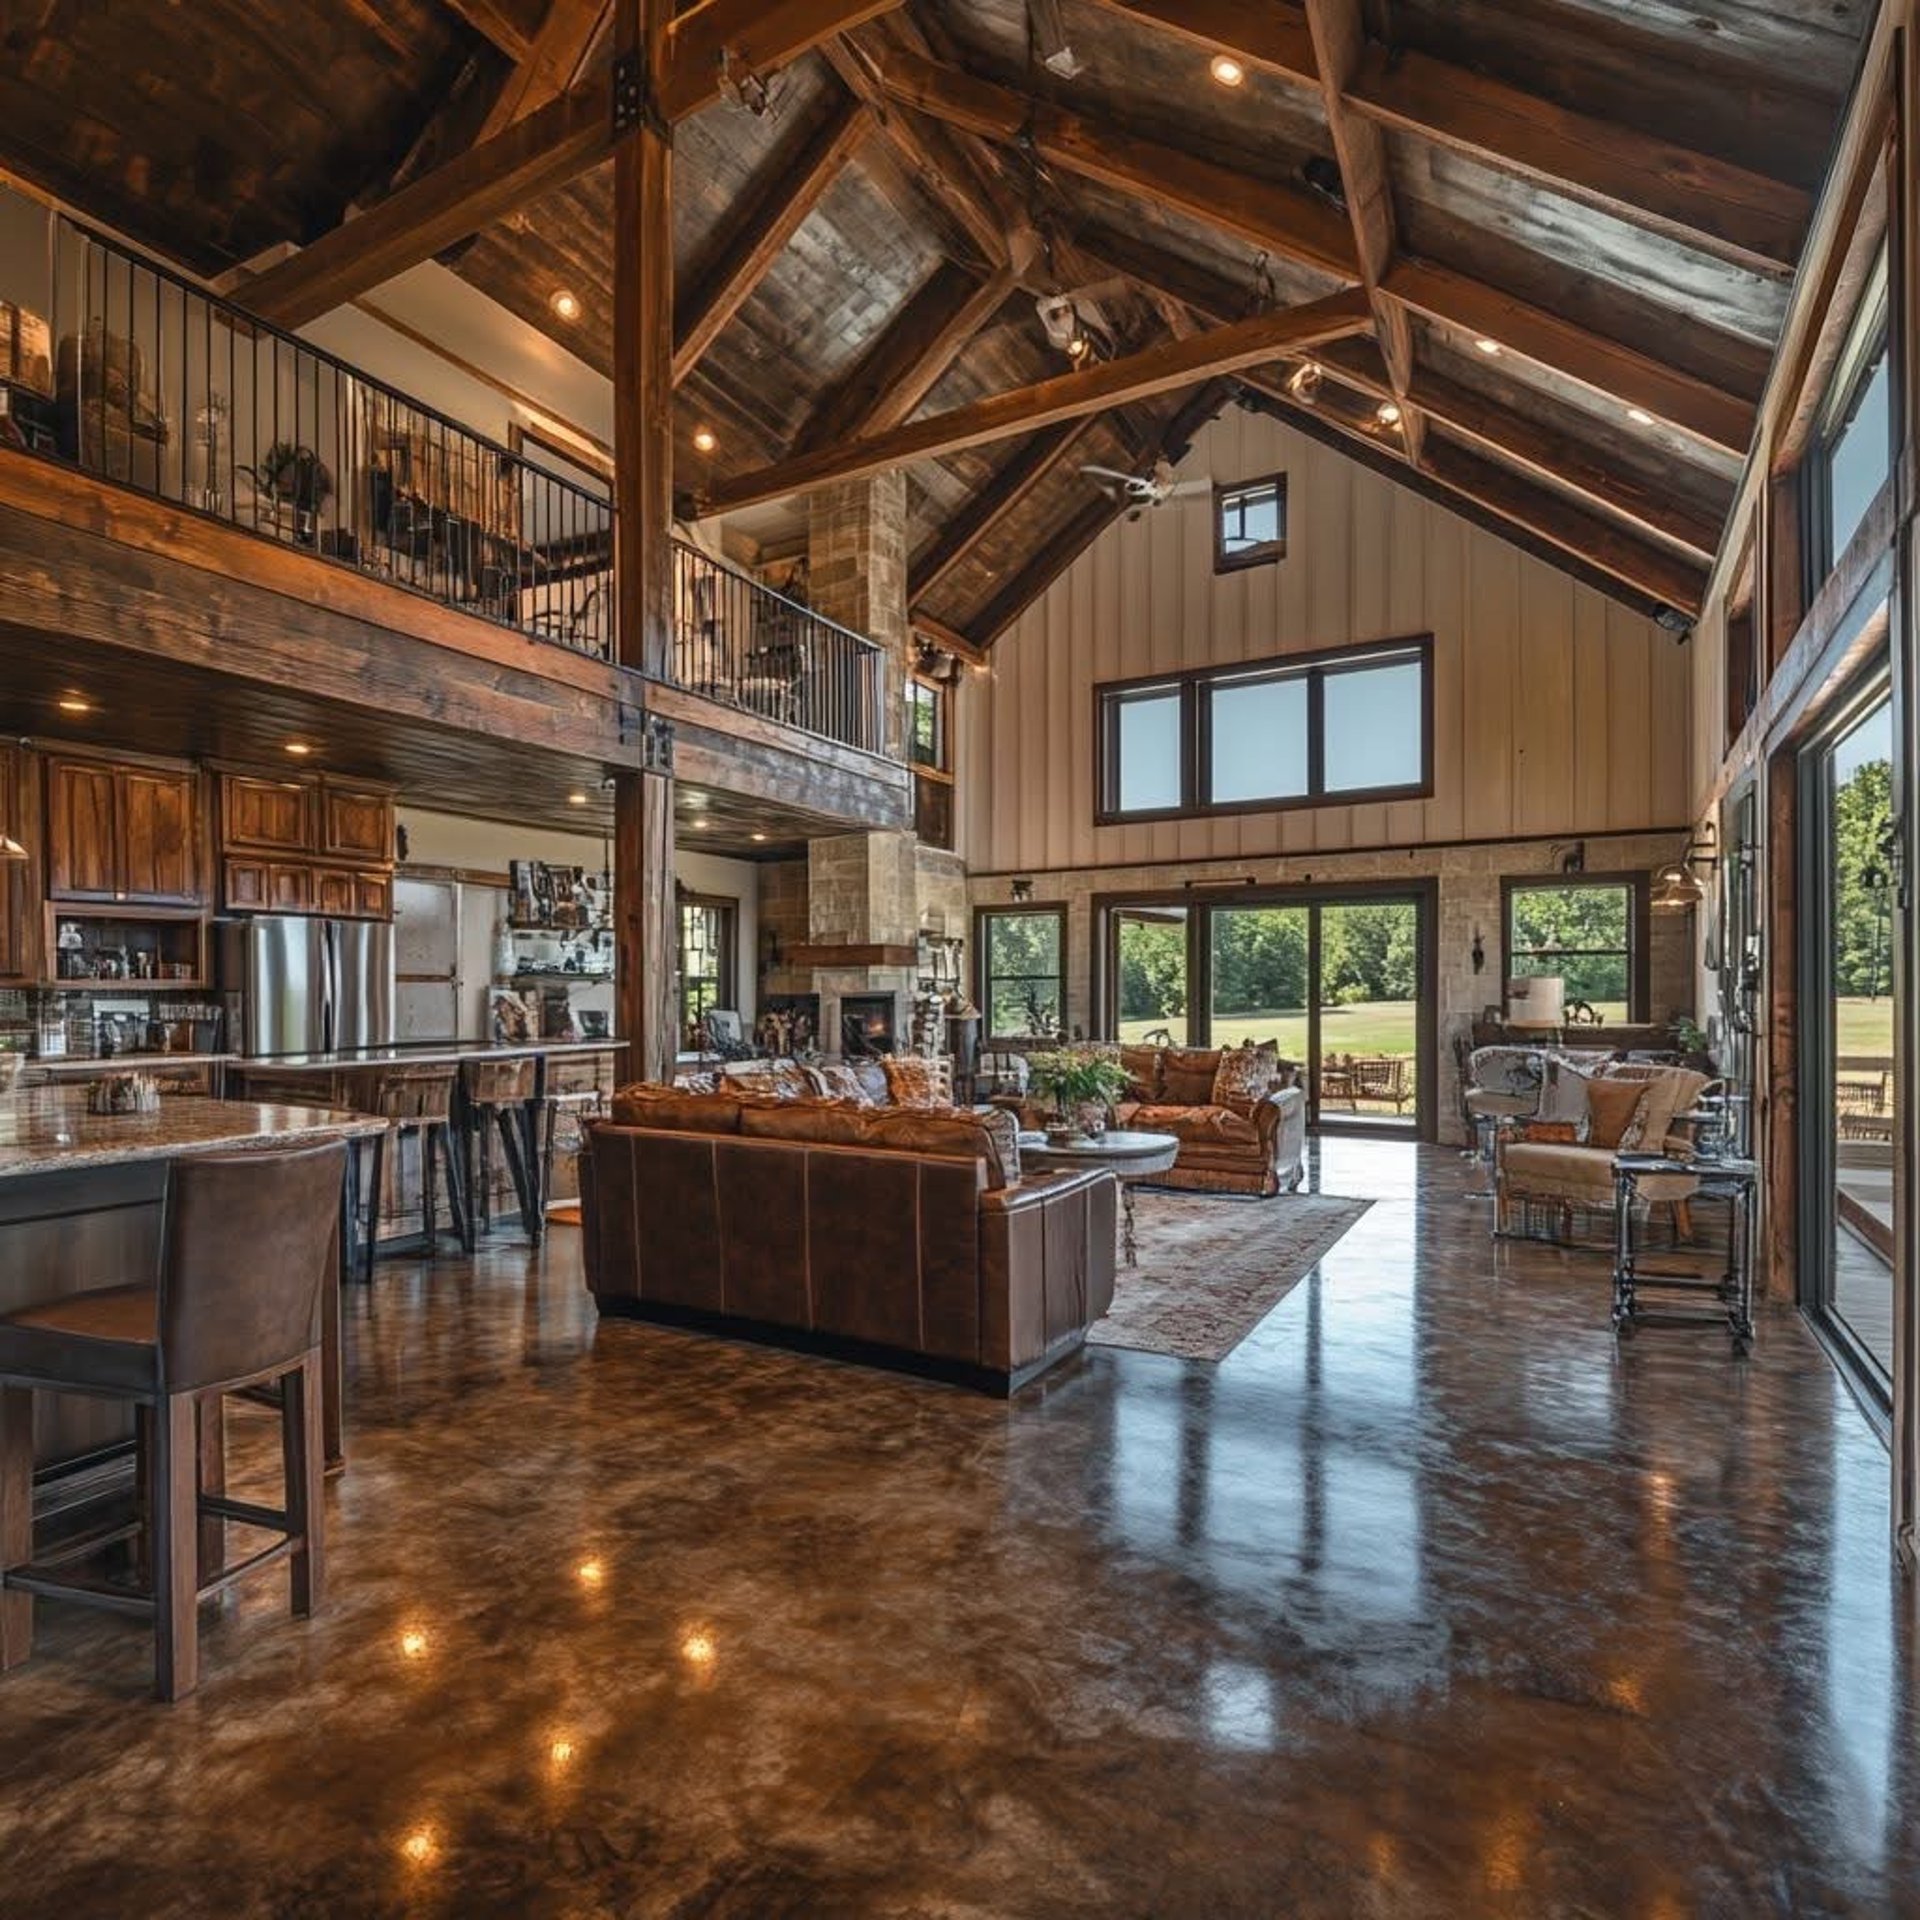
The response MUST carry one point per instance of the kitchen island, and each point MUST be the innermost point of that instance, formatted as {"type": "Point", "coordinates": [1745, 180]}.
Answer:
{"type": "Point", "coordinates": [80, 1207]}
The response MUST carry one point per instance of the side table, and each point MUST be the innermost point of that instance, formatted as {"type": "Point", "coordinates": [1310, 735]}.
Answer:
{"type": "Point", "coordinates": [1734, 1181]}
{"type": "Point", "coordinates": [1127, 1156]}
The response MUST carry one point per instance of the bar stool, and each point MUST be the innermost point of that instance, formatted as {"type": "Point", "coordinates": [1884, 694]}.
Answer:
{"type": "Point", "coordinates": [417, 1100]}
{"type": "Point", "coordinates": [582, 1103]}
{"type": "Point", "coordinates": [496, 1095]}
{"type": "Point", "coordinates": [237, 1305]}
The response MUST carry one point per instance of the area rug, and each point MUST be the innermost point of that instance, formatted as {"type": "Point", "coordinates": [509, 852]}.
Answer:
{"type": "Point", "coordinates": [1212, 1267]}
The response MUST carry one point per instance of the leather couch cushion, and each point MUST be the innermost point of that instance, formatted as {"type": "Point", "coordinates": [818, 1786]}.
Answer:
{"type": "Point", "coordinates": [1186, 1076]}
{"type": "Point", "coordinates": [823, 1123]}
{"type": "Point", "coordinates": [1202, 1125]}
{"type": "Point", "coordinates": [956, 1136]}
{"type": "Point", "coordinates": [1142, 1066]}
{"type": "Point", "coordinates": [646, 1104]}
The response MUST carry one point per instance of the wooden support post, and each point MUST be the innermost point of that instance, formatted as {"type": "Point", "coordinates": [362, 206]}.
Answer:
{"type": "Point", "coordinates": [643, 490]}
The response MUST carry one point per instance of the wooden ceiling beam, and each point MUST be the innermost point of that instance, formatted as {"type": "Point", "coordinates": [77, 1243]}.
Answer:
{"type": "Point", "coordinates": [760, 227]}
{"type": "Point", "coordinates": [991, 505]}
{"type": "Point", "coordinates": [1683, 400]}
{"type": "Point", "coordinates": [738, 38]}
{"type": "Point", "coordinates": [906, 363]}
{"type": "Point", "coordinates": [948, 639]}
{"type": "Point", "coordinates": [1708, 204]}
{"type": "Point", "coordinates": [1283, 219]}
{"type": "Point", "coordinates": [1160, 369]}
{"type": "Point", "coordinates": [930, 154]}
{"type": "Point", "coordinates": [495, 25]}
{"type": "Point", "coordinates": [1271, 38]}
{"type": "Point", "coordinates": [1358, 363]}
{"type": "Point", "coordinates": [540, 153]}
{"type": "Point", "coordinates": [1339, 40]}
{"type": "Point", "coordinates": [552, 63]}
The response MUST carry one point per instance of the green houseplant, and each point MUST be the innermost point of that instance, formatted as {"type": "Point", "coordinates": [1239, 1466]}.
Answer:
{"type": "Point", "coordinates": [1075, 1079]}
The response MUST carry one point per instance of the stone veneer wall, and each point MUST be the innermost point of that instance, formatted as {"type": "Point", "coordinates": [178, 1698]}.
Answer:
{"type": "Point", "coordinates": [857, 574]}
{"type": "Point", "coordinates": [1469, 878]}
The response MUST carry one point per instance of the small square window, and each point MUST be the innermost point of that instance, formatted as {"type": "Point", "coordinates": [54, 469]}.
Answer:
{"type": "Point", "coordinates": [1250, 523]}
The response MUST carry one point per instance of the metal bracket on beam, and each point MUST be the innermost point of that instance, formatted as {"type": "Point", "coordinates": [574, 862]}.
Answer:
{"type": "Point", "coordinates": [656, 745]}
{"type": "Point", "coordinates": [634, 106]}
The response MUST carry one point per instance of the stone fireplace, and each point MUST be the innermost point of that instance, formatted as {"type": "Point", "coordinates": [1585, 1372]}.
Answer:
{"type": "Point", "coordinates": [868, 1024]}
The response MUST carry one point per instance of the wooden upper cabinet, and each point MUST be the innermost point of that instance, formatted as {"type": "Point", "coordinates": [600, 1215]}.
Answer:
{"type": "Point", "coordinates": [160, 837]}
{"type": "Point", "coordinates": [275, 816]}
{"type": "Point", "coordinates": [356, 823]}
{"type": "Point", "coordinates": [123, 833]}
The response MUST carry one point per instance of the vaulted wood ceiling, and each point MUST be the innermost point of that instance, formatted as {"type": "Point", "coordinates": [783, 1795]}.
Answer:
{"type": "Point", "coordinates": [1569, 227]}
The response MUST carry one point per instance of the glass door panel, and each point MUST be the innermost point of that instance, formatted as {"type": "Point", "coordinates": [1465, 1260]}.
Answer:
{"type": "Point", "coordinates": [1150, 971]}
{"type": "Point", "coordinates": [1857, 1084]}
{"type": "Point", "coordinates": [1258, 964]}
{"type": "Point", "coordinates": [1367, 1001]}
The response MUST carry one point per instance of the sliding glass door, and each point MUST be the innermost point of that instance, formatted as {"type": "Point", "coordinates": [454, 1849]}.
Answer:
{"type": "Point", "coordinates": [1338, 981]}
{"type": "Point", "coordinates": [1852, 1094]}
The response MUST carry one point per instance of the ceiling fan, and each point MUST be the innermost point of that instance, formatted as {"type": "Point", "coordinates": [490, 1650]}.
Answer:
{"type": "Point", "coordinates": [1072, 319]}
{"type": "Point", "coordinates": [1154, 488]}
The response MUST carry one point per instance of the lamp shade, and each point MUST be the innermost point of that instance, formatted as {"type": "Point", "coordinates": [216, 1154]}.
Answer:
{"type": "Point", "coordinates": [1675, 889]}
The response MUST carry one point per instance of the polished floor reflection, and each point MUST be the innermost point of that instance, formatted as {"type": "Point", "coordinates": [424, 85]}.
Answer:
{"type": "Point", "coordinates": [1425, 1602]}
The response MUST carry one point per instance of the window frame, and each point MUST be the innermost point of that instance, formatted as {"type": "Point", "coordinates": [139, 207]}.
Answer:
{"type": "Point", "coordinates": [983, 964]}
{"type": "Point", "coordinates": [1194, 687]}
{"type": "Point", "coordinates": [727, 969]}
{"type": "Point", "coordinates": [1868, 339]}
{"type": "Point", "coordinates": [1639, 931]}
{"type": "Point", "coordinates": [1268, 551]}
{"type": "Point", "coordinates": [918, 688]}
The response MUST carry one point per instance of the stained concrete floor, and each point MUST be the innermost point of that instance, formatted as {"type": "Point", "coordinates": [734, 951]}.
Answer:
{"type": "Point", "coordinates": [1426, 1602]}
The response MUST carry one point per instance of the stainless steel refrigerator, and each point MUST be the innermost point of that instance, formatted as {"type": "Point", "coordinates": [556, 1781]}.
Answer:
{"type": "Point", "coordinates": [307, 985]}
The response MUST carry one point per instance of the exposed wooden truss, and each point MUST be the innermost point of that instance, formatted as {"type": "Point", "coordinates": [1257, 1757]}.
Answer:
{"type": "Point", "coordinates": [543, 151]}
{"type": "Point", "coordinates": [1339, 38]}
{"type": "Point", "coordinates": [1165, 368]}
{"type": "Point", "coordinates": [1285, 219]}
{"type": "Point", "coordinates": [550, 63]}
{"type": "Point", "coordinates": [799, 176]}
{"type": "Point", "coordinates": [1272, 38]}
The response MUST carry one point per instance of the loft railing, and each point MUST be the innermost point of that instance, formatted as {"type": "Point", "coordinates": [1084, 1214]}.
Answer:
{"type": "Point", "coordinates": [739, 642]}
{"type": "Point", "coordinates": [158, 386]}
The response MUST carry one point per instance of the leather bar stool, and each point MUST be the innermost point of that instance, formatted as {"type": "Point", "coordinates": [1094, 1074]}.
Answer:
{"type": "Point", "coordinates": [418, 1101]}
{"type": "Point", "coordinates": [582, 1103]}
{"type": "Point", "coordinates": [498, 1098]}
{"type": "Point", "coordinates": [237, 1305]}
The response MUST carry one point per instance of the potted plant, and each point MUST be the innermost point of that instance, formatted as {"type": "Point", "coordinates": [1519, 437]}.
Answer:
{"type": "Point", "coordinates": [1691, 1043]}
{"type": "Point", "coordinates": [295, 478]}
{"type": "Point", "coordinates": [1076, 1080]}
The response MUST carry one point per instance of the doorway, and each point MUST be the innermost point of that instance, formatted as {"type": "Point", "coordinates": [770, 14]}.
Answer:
{"type": "Point", "coordinates": [1851, 1098]}
{"type": "Point", "coordinates": [1339, 979]}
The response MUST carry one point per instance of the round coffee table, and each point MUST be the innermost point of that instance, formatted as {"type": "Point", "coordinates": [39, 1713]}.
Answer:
{"type": "Point", "coordinates": [1127, 1156]}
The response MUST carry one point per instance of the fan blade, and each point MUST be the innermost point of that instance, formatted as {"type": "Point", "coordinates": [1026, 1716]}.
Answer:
{"type": "Point", "coordinates": [1112, 473]}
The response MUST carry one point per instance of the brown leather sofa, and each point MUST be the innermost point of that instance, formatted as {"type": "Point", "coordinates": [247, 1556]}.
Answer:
{"type": "Point", "coordinates": [894, 1236]}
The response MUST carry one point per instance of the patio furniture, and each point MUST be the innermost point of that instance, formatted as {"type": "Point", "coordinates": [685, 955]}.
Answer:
{"type": "Point", "coordinates": [1383, 1077]}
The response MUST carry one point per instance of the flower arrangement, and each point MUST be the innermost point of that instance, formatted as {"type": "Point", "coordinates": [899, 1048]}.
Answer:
{"type": "Point", "coordinates": [1074, 1079]}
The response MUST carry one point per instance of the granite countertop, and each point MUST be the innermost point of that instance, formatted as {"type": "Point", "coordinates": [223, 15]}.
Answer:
{"type": "Point", "coordinates": [431, 1054]}
{"type": "Point", "coordinates": [59, 1064]}
{"type": "Point", "coordinates": [49, 1130]}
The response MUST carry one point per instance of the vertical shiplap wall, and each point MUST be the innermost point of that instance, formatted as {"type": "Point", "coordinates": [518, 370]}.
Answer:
{"type": "Point", "coordinates": [1557, 711]}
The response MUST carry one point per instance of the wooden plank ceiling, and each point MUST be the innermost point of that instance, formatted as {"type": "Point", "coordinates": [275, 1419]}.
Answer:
{"type": "Point", "coordinates": [1564, 230]}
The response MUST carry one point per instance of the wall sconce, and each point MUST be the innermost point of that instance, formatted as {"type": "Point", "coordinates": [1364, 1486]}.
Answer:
{"type": "Point", "coordinates": [1479, 952]}
{"type": "Point", "coordinates": [1677, 887]}
{"type": "Point", "coordinates": [1023, 890]}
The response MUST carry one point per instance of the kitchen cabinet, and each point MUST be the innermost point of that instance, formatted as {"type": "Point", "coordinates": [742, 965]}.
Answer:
{"type": "Point", "coordinates": [20, 931]}
{"type": "Point", "coordinates": [356, 823]}
{"type": "Point", "coordinates": [274, 816]}
{"type": "Point", "coordinates": [122, 833]}
{"type": "Point", "coordinates": [269, 886]}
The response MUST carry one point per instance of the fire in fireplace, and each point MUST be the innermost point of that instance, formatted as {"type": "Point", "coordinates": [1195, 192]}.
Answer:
{"type": "Point", "coordinates": [866, 1024]}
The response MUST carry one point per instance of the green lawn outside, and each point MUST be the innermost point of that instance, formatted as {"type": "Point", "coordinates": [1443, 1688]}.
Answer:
{"type": "Point", "coordinates": [1865, 1027]}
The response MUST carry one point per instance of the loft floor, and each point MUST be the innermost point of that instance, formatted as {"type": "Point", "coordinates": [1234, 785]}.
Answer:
{"type": "Point", "coordinates": [1426, 1602]}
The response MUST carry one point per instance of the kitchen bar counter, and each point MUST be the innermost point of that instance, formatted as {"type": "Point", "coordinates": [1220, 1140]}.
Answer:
{"type": "Point", "coordinates": [81, 1202]}
{"type": "Point", "coordinates": [93, 1066]}
{"type": "Point", "coordinates": [433, 1053]}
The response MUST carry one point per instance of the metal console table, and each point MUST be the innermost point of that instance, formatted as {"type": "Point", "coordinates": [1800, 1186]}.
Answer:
{"type": "Point", "coordinates": [1734, 1181]}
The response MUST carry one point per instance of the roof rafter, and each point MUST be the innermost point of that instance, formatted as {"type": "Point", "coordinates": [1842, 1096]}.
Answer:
{"type": "Point", "coordinates": [551, 62]}
{"type": "Point", "coordinates": [1273, 37]}
{"type": "Point", "coordinates": [1160, 369]}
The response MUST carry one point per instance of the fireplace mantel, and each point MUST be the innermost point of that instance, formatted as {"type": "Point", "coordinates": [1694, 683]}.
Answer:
{"type": "Point", "coordinates": [851, 956]}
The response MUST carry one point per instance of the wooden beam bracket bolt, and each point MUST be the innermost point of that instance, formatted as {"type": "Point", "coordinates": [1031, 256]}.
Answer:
{"type": "Point", "coordinates": [635, 105]}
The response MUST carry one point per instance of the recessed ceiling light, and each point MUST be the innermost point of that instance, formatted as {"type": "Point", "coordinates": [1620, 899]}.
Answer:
{"type": "Point", "coordinates": [1387, 413]}
{"type": "Point", "coordinates": [1486, 346]}
{"type": "Point", "coordinates": [703, 822]}
{"type": "Point", "coordinates": [74, 703]}
{"type": "Point", "coordinates": [705, 439]}
{"type": "Point", "coordinates": [1227, 70]}
{"type": "Point", "coordinates": [576, 799]}
{"type": "Point", "coordinates": [1640, 416]}
{"type": "Point", "coordinates": [759, 836]}
{"type": "Point", "coordinates": [566, 304]}
{"type": "Point", "coordinates": [299, 749]}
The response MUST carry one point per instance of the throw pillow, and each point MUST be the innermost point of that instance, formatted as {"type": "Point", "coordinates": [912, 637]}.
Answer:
{"type": "Point", "coordinates": [836, 1081]}
{"type": "Point", "coordinates": [1671, 1091]}
{"type": "Point", "coordinates": [1188, 1076]}
{"type": "Point", "coordinates": [1142, 1068]}
{"type": "Point", "coordinates": [697, 1082]}
{"type": "Point", "coordinates": [913, 1080]}
{"type": "Point", "coordinates": [1003, 1129]}
{"type": "Point", "coordinates": [1246, 1074]}
{"type": "Point", "coordinates": [1611, 1106]}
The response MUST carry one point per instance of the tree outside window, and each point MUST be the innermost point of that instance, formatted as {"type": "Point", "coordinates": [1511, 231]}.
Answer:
{"type": "Point", "coordinates": [1584, 932]}
{"type": "Point", "coordinates": [1023, 971]}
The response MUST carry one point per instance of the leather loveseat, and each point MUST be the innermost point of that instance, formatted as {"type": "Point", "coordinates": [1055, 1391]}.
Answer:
{"type": "Point", "coordinates": [896, 1236]}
